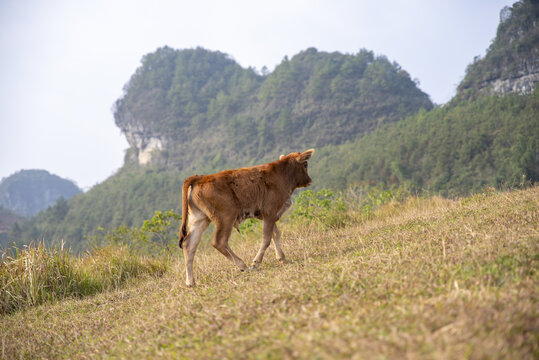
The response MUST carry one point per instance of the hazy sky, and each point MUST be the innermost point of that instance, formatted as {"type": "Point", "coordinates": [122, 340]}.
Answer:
{"type": "Point", "coordinates": [63, 63]}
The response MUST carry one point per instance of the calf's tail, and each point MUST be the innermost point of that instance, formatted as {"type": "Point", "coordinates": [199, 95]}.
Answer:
{"type": "Point", "coordinates": [185, 206]}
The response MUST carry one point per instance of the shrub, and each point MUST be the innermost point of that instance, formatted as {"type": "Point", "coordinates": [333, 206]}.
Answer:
{"type": "Point", "coordinates": [367, 199]}
{"type": "Point", "coordinates": [157, 236]}
{"type": "Point", "coordinates": [325, 208]}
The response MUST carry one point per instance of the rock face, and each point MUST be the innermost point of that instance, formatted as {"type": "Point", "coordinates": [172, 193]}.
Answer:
{"type": "Point", "coordinates": [29, 191]}
{"type": "Point", "coordinates": [522, 85]}
{"type": "Point", "coordinates": [144, 142]}
{"type": "Point", "coordinates": [143, 139]}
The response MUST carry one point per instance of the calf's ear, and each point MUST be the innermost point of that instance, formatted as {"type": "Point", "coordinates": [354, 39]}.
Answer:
{"type": "Point", "coordinates": [281, 157]}
{"type": "Point", "coordinates": [306, 155]}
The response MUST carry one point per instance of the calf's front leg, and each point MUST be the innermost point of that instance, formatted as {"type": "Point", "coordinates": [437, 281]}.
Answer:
{"type": "Point", "coordinates": [267, 231]}
{"type": "Point", "coordinates": [279, 254]}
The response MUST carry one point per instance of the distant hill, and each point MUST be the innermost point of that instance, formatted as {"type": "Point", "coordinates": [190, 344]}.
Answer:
{"type": "Point", "coordinates": [29, 191]}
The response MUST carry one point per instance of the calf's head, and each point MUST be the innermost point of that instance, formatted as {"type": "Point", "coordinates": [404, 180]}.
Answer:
{"type": "Point", "coordinates": [299, 164]}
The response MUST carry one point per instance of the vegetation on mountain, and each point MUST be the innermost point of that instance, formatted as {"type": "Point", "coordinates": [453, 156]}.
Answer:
{"type": "Point", "coordinates": [128, 198]}
{"type": "Point", "coordinates": [451, 150]}
{"type": "Point", "coordinates": [203, 100]}
{"type": "Point", "coordinates": [7, 219]}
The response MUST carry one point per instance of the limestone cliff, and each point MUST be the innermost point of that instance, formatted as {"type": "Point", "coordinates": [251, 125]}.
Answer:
{"type": "Point", "coordinates": [145, 143]}
{"type": "Point", "coordinates": [522, 85]}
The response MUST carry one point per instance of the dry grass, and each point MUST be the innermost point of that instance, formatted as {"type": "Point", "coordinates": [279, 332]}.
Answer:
{"type": "Point", "coordinates": [38, 274]}
{"type": "Point", "coordinates": [427, 278]}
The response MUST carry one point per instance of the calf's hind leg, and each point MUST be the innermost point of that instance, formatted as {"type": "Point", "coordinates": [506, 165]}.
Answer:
{"type": "Point", "coordinates": [223, 229]}
{"type": "Point", "coordinates": [198, 223]}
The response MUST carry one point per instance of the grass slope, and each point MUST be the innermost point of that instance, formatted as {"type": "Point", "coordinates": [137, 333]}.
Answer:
{"type": "Point", "coordinates": [426, 278]}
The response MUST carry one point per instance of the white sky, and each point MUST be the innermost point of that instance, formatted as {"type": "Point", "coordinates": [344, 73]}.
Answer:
{"type": "Point", "coordinates": [63, 63]}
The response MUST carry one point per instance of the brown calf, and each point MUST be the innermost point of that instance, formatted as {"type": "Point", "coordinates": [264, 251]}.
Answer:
{"type": "Point", "coordinates": [231, 196]}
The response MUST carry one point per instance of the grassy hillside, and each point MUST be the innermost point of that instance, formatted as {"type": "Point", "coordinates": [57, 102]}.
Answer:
{"type": "Point", "coordinates": [420, 278]}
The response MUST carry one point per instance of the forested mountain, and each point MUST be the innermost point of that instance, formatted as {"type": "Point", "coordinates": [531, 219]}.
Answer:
{"type": "Point", "coordinates": [182, 100]}
{"type": "Point", "coordinates": [29, 191]}
{"type": "Point", "coordinates": [198, 111]}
